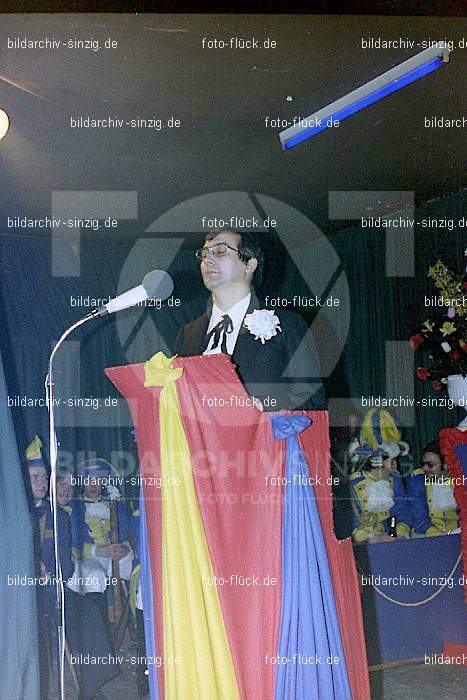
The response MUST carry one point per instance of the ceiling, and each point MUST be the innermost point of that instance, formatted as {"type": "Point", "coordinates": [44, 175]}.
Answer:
{"type": "Point", "coordinates": [221, 97]}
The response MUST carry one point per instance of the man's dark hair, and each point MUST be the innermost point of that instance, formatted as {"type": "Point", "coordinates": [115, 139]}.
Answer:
{"type": "Point", "coordinates": [248, 248]}
{"type": "Point", "coordinates": [62, 472]}
{"type": "Point", "coordinates": [435, 448]}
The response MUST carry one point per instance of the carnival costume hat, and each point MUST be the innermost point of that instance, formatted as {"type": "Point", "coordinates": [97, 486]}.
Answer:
{"type": "Point", "coordinates": [33, 453]}
{"type": "Point", "coordinates": [101, 467]}
{"type": "Point", "coordinates": [96, 467]}
{"type": "Point", "coordinates": [378, 438]}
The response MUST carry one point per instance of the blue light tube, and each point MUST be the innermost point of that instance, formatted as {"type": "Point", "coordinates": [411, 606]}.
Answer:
{"type": "Point", "coordinates": [375, 96]}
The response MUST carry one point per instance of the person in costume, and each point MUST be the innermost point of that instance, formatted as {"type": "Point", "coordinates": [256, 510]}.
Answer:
{"type": "Point", "coordinates": [45, 557]}
{"type": "Point", "coordinates": [65, 489]}
{"type": "Point", "coordinates": [430, 491]}
{"type": "Point", "coordinates": [376, 486]}
{"type": "Point", "coordinates": [94, 553]}
{"type": "Point", "coordinates": [340, 437]}
{"type": "Point", "coordinates": [90, 524]}
{"type": "Point", "coordinates": [273, 351]}
{"type": "Point", "coordinates": [85, 629]}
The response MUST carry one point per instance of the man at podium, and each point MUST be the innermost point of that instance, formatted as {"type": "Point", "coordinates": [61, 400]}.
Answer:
{"type": "Point", "coordinates": [216, 492]}
{"type": "Point", "coordinates": [274, 351]}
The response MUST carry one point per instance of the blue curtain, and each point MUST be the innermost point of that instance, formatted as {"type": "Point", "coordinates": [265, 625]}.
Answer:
{"type": "Point", "coordinates": [18, 613]}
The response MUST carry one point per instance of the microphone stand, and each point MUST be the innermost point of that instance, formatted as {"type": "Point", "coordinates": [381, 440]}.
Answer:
{"type": "Point", "coordinates": [147, 290]}
{"type": "Point", "coordinates": [59, 588]}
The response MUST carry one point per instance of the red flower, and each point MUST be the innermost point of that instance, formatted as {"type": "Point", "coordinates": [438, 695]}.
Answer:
{"type": "Point", "coordinates": [437, 386]}
{"type": "Point", "coordinates": [422, 373]}
{"type": "Point", "coordinates": [463, 345]}
{"type": "Point", "coordinates": [416, 341]}
{"type": "Point", "coordinates": [455, 355]}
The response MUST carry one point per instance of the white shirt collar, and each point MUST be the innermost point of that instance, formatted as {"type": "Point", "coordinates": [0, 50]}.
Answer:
{"type": "Point", "coordinates": [236, 312]}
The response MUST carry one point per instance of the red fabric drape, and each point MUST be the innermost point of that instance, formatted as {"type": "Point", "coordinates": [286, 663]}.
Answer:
{"type": "Point", "coordinates": [341, 560]}
{"type": "Point", "coordinates": [449, 439]}
{"type": "Point", "coordinates": [237, 469]}
{"type": "Point", "coordinates": [232, 451]}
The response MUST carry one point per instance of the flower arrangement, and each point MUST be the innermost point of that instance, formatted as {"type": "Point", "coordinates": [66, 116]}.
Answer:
{"type": "Point", "coordinates": [442, 342]}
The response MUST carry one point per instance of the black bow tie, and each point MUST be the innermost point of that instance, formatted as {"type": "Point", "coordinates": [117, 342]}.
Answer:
{"type": "Point", "coordinates": [224, 327]}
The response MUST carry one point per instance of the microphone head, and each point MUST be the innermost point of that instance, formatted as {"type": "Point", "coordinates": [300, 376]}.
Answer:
{"type": "Point", "coordinates": [158, 284]}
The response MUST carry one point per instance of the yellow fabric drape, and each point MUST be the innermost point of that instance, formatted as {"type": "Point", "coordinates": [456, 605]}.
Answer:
{"type": "Point", "coordinates": [197, 659]}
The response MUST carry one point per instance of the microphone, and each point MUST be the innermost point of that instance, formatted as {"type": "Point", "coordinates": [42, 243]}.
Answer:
{"type": "Point", "coordinates": [156, 284]}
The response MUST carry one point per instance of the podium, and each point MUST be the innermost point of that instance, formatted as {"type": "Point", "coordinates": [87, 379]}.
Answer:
{"type": "Point", "coordinates": [246, 591]}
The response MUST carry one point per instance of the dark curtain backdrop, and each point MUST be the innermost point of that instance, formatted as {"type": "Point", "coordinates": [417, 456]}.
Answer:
{"type": "Point", "coordinates": [36, 309]}
{"type": "Point", "coordinates": [385, 309]}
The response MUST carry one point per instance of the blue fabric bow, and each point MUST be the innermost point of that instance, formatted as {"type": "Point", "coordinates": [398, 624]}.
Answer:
{"type": "Point", "coordinates": [288, 426]}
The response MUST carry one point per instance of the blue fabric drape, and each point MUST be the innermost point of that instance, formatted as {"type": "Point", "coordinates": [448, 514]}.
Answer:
{"type": "Point", "coordinates": [18, 612]}
{"type": "Point", "coordinates": [147, 596]}
{"type": "Point", "coordinates": [309, 633]}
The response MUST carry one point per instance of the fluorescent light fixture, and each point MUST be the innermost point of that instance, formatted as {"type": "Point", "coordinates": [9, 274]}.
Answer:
{"type": "Point", "coordinates": [407, 72]}
{"type": "Point", "coordinates": [4, 123]}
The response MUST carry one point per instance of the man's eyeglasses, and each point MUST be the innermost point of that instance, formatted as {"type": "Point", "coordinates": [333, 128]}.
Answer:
{"type": "Point", "coordinates": [218, 250]}
{"type": "Point", "coordinates": [430, 464]}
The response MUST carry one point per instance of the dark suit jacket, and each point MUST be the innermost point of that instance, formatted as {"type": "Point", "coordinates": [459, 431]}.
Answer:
{"type": "Point", "coordinates": [285, 368]}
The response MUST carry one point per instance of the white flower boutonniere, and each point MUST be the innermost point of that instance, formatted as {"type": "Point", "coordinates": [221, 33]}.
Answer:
{"type": "Point", "coordinates": [263, 324]}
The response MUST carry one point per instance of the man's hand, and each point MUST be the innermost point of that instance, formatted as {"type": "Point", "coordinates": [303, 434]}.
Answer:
{"type": "Point", "coordinates": [112, 551]}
